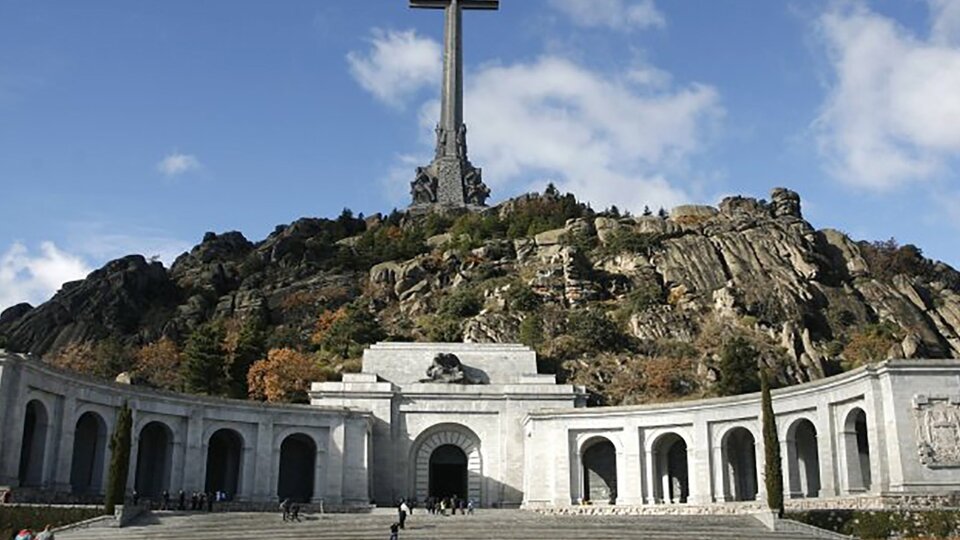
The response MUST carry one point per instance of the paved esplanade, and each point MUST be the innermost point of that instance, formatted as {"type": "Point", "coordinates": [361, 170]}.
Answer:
{"type": "Point", "coordinates": [486, 524]}
{"type": "Point", "coordinates": [451, 179]}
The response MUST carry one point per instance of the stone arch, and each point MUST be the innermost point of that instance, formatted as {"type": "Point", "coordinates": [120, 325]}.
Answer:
{"type": "Point", "coordinates": [89, 453]}
{"type": "Point", "coordinates": [598, 460]}
{"type": "Point", "coordinates": [803, 459]}
{"type": "Point", "coordinates": [857, 451]}
{"type": "Point", "coordinates": [671, 470]}
{"type": "Point", "coordinates": [445, 435]}
{"type": "Point", "coordinates": [298, 463]}
{"type": "Point", "coordinates": [33, 446]}
{"type": "Point", "coordinates": [154, 459]}
{"type": "Point", "coordinates": [738, 448]}
{"type": "Point", "coordinates": [224, 462]}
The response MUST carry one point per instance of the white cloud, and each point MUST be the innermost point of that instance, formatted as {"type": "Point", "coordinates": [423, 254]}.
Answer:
{"type": "Point", "coordinates": [397, 65]}
{"type": "Point", "coordinates": [609, 139]}
{"type": "Point", "coordinates": [27, 276]}
{"type": "Point", "coordinates": [616, 14]}
{"type": "Point", "coordinates": [892, 115]}
{"type": "Point", "coordinates": [101, 242]}
{"type": "Point", "coordinates": [176, 164]}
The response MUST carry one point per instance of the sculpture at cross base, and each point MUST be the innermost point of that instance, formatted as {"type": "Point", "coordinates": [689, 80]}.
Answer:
{"type": "Point", "coordinates": [451, 180]}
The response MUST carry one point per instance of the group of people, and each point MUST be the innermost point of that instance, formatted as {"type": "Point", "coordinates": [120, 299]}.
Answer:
{"type": "Point", "coordinates": [199, 500]}
{"type": "Point", "coordinates": [440, 505]}
{"type": "Point", "coordinates": [290, 510]}
{"type": "Point", "coordinates": [27, 534]}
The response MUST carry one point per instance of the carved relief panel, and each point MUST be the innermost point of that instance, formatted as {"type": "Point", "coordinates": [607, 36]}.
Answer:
{"type": "Point", "coordinates": [938, 430]}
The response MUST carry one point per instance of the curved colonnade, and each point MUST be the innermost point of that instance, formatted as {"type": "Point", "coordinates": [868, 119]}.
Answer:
{"type": "Point", "coordinates": [57, 428]}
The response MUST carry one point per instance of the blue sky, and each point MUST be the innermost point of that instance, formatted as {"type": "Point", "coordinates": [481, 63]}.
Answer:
{"type": "Point", "coordinates": [134, 126]}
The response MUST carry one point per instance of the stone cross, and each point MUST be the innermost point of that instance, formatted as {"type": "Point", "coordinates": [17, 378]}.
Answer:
{"type": "Point", "coordinates": [451, 179]}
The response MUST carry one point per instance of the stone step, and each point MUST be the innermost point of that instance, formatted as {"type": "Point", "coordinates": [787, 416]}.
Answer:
{"type": "Point", "coordinates": [485, 525]}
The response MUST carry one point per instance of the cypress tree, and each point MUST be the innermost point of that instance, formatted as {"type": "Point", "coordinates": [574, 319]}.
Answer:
{"type": "Point", "coordinates": [204, 361]}
{"type": "Point", "coordinates": [119, 460]}
{"type": "Point", "coordinates": [771, 449]}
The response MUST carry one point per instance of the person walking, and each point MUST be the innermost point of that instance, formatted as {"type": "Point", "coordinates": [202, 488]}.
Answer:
{"type": "Point", "coordinates": [403, 511]}
{"type": "Point", "coordinates": [285, 509]}
{"type": "Point", "coordinates": [165, 496]}
{"type": "Point", "coordinates": [295, 512]}
{"type": "Point", "coordinates": [395, 531]}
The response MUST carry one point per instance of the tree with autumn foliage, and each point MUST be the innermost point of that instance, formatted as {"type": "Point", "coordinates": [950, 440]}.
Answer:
{"type": "Point", "coordinates": [284, 376]}
{"type": "Point", "coordinates": [106, 358]}
{"type": "Point", "coordinates": [343, 333]}
{"type": "Point", "coordinates": [158, 364]}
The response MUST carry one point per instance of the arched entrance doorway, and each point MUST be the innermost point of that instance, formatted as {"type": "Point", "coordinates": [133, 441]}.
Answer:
{"type": "Point", "coordinates": [803, 459]}
{"type": "Point", "coordinates": [599, 460]}
{"type": "Point", "coordinates": [740, 465]}
{"type": "Point", "coordinates": [89, 454]}
{"type": "Point", "coordinates": [298, 462]}
{"type": "Point", "coordinates": [440, 456]}
{"type": "Point", "coordinates": [857, 452]}
{"type": "Point", "coordinates": [672, 485]}
{"type": "Point", "coordinates": [224, 456]}
{"type": "Point", "coordinates": [448, 472]}
{"type": "Point", "coordinates": [154, 459]}
{"type": "Point", "coordinates": [34, 444]}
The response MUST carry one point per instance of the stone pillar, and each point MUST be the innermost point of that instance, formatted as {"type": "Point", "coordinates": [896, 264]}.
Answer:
{"type": "Point", "coordinates": [698, 464]}
{"type": "Point", "coordinates": [827, 452]}
{"type": "Point", "coordinates": [190, 473]}
{"type": "Point", "coordinates": [63, 460]}
{"type": "Point", "coordinates": [336, 464]}
{"type": "Point", "coordinates": [265, 462]}
{"type": "Point", "coordinates": [649, 463]}
{"type": "Point", "coordinates": [630, 489]}
{"type": "Point", "coordinates": [248, 467]}
{"type": "Point", "coordinates": [792, 479]}
{"type": "Point", "coordinates": [760, 463]}
{"type": "Point", "coordinates": [11, 421]}
{"type": "Point", "coordinates": [719, 474]}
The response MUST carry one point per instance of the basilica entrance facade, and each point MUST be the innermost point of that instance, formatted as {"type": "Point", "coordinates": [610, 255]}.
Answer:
{"type": "Point", "coordinates": [448, 463]}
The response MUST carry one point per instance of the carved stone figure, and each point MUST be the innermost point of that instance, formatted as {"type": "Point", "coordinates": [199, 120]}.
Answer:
{"type": "Point", "coordinates": [447, 368]}
{"type": "Point", "coordinates": [462, 142]}
{"type": "Point", "coordinates": [938, 431]}
{"type": "Point", "coordinates": [441, 142]}
{"type": "Point", "coordinates": [423, 189]}
{"type": "Point", "coordinates": [475, 191]}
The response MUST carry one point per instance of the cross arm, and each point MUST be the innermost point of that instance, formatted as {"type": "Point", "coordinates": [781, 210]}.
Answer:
{"type": "Point", "coordinates": [464, 4]}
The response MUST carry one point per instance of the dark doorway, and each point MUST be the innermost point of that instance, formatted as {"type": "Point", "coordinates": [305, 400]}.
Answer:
{"type": "Point", "coordinates": [224, 453]}
{"type": "Point", "coordinates": [89, 447]}
{"type": "Point", "coordinates": [33, 446]}
{"type": "Point", "coordinates": [600, 472]}
{"type": "Point", "coordinates": [671, 485]}
{"type": "Point", "coordinates": [154, 456]}
{"type": "Point", "coordinates": [739, 448]}
{"type": "Point", "coordinates": [448, 472]}
{"type": "Point", "coordinates": [298, 460]}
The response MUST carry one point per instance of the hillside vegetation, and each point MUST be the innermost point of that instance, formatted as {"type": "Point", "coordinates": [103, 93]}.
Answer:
{"type": "Point", "coordinates": [665, 305]}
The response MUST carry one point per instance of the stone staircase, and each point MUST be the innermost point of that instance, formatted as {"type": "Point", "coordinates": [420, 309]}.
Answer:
{"type": "Point", "coordinates": [485, 524]}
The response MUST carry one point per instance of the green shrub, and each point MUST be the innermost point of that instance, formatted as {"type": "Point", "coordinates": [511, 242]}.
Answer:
{"type": "Point", "coordinates": [531, 331]}
{"type": "Point", "coordinates": [35, 518]}
{"type": "Point", "coordinates": [441, 329]}
{"type": "Point", "coordinates": [594, 331]}
{"type": "Point", "coordinates": [460, 304]}
{"type": "Point", "coordinates": [520, 297]}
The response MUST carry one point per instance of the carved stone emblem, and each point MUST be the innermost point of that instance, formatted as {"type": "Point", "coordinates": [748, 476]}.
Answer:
{"type": "Point", "coordinates": [938, 430]}
{"type": "Point", "coordinates": [447, 368]}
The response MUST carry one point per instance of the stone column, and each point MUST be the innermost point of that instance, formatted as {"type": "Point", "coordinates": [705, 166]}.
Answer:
{"type": "Point", "coordinates": [630, 491]}
{"type": "Point", "coordinates": [64, 432]}
{"type": "Point", "coordinates": [11, 421]}
{"type": "Point", "coordinates": [698, 464]}
{"type": "Point", "coordinates": [719, 474]}
{"type": "Point", "coordinates": [649, 464]}
{"type": "Point", "coordinates": [248, 466]}
{"type": "Point", "coordinates": [337, 446]}
{"type": "Point", "coordinates": [792, 480]}
{"type": "Point", "coordinates": [265, 463]}
{"type": "Point", "coordinates": [190, 473]}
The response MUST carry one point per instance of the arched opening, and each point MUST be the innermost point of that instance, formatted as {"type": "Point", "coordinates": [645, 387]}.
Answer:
{"type": "Point", "coordinates": [298, 459]}
{"type": "Point", "coordinates": [803, 459]}
{"type": "Point", "coordinates": [224, 456]}
{"type": "Point", "coordinates": [154, 458]}
{"type": "Point", "coordinates": [857, 445]}
{"type": "Point", "coordinates": [599, 460]}
{"type": "Point", "coordinates": [34, 444]}
{"type": "Point", "coordinates": [89, 454]}
{"type": "Point", "coordinates": [740, 465]}
{"type": "Point", "coordinates": [437, 470]}
{"type": "Point", "coordinates": [672, 485]}
{"type": "Point", "coordinates": [448, 472]}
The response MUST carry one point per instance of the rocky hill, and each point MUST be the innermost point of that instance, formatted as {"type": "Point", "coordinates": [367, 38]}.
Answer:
{"type": "Point", "coordinates": [638, 308]}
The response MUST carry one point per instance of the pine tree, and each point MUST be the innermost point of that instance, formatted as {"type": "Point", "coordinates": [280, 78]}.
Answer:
{"type": "Point", "coordinates": [646, 211]}
{"type": "Point", "coordinates": [771, 449]}
{"type": "Point", "coordinates": [738, 368]}
{"type": "Point", "coordinates": [119, 460]}
{"type": "Point", "coordinates": [251, 346]}
{"type": "Point", "coordinates": [204, 361]}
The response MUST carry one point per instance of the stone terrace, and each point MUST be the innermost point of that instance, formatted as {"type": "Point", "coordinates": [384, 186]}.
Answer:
{"type": "Point", "coordinates": [486, 524]}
